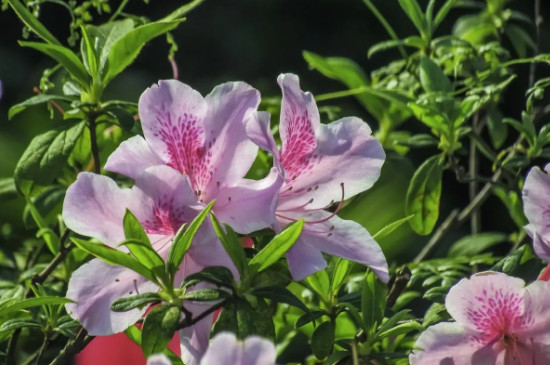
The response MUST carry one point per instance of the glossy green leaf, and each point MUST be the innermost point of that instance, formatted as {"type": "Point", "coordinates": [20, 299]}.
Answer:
{"type": "Point", "coordinates": [280, 295]}
{"type": "Point", "coordinates": [134, 334]}
{"type": "Point", "coordinates": [182, 11]}
{"type": "Point", "coordinates": [322, 340]}
{"type": "Point", "coordinates": [423, 196]}
{"type": "Point", "coordinates": [388, 229]}
{"type": "Point", "coordinates": [146, 255]}
{"type": "Point", "coordinates": [67, 58]}
{"type": "Point", "coordinates": [104, 36]}
{"type": "Point", "coordinates": [88, 51]}
{"type": "Point", "coordinates": [30, 21]}
{"type": "Point", "coordinates": [114, 257]}
{"type": "Point", "coordinates": [319, 282]}
{"type": "Point", "coordinates": [477, 243]}
{"type": "Point", "coordinates": [435, 314]}
{"type": "Point", "coordinates": [413, 11]}
{"type": "Point", "coordinates": [158, 329]}
{"type": "Point", "coordinates": [432, 77]}
{"type": "Point", "coordinates": [47, 154]}
{"type": "Point", "coordinates": [373, 301]}
{"type": "Point", "coordinates": [35, 100]}
{"type": "Point", "coordinates": [245, 320]}
{"type": "Point", "coordinates": [512, 263]}
{"type": "Point", "coordinates": [308, 317]}
{"type": "Point", "coordinates": [183, 239]}
{"type": "Point", "coordinates": [218, 275]}
{"type": "Point", "coordinates": [402, 328]}
{"type": "Point", "coordinates": [133, 228]}
{"type": "Point", "coordinates": [125, 49]}
{"type": "Point", "coordinates": [443, 11]}
{"type": "Point", "coordinates": [231, 244]}
{"type": "Point", "coordinates": [8, 307]}
{"type": "Point", "coordinates": [278, 247]}
{"type": "Point", "coordinates": [339, 270]}
{"type": "Point", "coordinates": [135, 301]}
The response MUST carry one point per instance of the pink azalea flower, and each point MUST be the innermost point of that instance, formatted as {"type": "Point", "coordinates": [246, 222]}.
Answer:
{"type": "Point", "coordinates": [226, 349]}
{"type": "Point", "coordinates": [162, 200]}
{"type": "Point", "coordinates": [205, 139]}
{"type": "Point", "coordinates": [498, 321]}
{"type": "Point", "coordinates": [321, 164]}
{"type": "Point", "coordinates": [536, 205]}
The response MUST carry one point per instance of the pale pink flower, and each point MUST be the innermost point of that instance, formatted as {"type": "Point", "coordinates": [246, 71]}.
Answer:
{"type": "Point", "coordinates": [536, 205]}
{"type": "Point", "coordinates": [321, 165]}
{"type": "Point", "coordinates": [499, 321]}
{"type": "Point", "coordinates": [226, 349]}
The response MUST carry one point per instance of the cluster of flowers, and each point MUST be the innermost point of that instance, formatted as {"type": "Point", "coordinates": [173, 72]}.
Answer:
{"type": "Point", "coordinates": [498, 320]}
{"type": "Point", "coordinates": [196, 150]}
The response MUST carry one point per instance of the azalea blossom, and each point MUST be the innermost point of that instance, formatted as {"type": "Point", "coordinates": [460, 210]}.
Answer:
{"type": "Point", "coordinates": [536, 205]}
{"type": "Point", "coordinates": [321, 165]}
{"type": "Point", "coordinates": [158, 359]}
{"type": "Point", "coordinates": [205, 139]}
{"type": "Point", "coordinates": [499, 320]}
{"type": "Point", "coordinates": [226, 349]}
{"type": "Point", "coordinates": [162, 200]}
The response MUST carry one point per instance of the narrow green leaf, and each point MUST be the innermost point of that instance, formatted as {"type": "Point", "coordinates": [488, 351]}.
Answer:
{"type": "Point", "coordinates": [435, 314]}
{"type": "Point", "coordinates": [388, 229]}
{"type": "Point", "coordinates": [280, 295]}
{"type": "Point", "coordinates": [147, 256]}
{"type": "Point", "coordinates": [401, 329]}
{"type": "Point", "coordinates": [338, 273]}
{"type": "Point", "coordinates": [182, 11]}
{"type": "Point", "coordinates": [423, 196]}
{"type": "Point", "coordinates": [231, 244]}
{"type": "Point", "coordinates": [125, 49]}
{"type": "Point", "coordinates": [278, 246]}
{"type": "Point", "coordinates": [322, 340]}
{"type": "Point", "coordinates": [65, 57]}
{"type": "Point", "coordinates": [135, 301]}
{"type": "Point", "coordinates": [319, 282]}
{"type": "Point", "coordinates": [114, 257]}
{"type": "Point", "coordinates": [89, 55]}
{"type": "Point", "coordinates": [133, 229]}
{"type": "Point", "coordinates": [35, 100]}
{"type": "Point", "coordinates": [134, 334]}
{"type": "Point", "coordinates": [158, 329]}
{"type": "Point", "coordinates": [206, 295]}
{"type": "Point", "coordinates": [432, 77]}
{"type": "Point", "coordinates": [47, 154]}
{"type": "Point", "coordinates": [104, 36]}
{"type": "Point", "coordinates": [419, 140]}
{"type": "Point", "coordinates": [373, 301]}
{"type": "Point", "coordinates": [308, 317]}
{"type": "Point", "coordinates": [7, 188]}
{"type": "Point", "coordinates": [244, 320]}
{"type": "Point", "coordinates": [30, 21]}
{"type": "Point", "coordinates": [218, 275]}
{"type": "Point", "coordinates": [413, 11]}
{"type": "Point", "coordinates": [443, 11]}
{"type": "Point", "coordinates": [353, 312]}
{"type": "Point", "coordinates": [393, 320]}
{"type": "Point", "coordinates": [183, 239]}
{"type": "Point", "coordinates": [475, 244]}
{"type": "Point", "coordinates": [32, 302]}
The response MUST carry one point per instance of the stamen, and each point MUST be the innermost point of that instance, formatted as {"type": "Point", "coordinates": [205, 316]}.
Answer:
{"type": "Point", "coordinates": [340, 204]}
{"type": "Point", "coordinates": [296, 208]}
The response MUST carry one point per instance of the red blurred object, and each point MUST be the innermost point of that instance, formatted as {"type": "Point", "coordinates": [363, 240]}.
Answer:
{"type": "Point", "coordinates": [545, 274]}
{"type": "Point", "coordinates": [116, 350]}
{"type": "Point", "coordinates": [247, 242]}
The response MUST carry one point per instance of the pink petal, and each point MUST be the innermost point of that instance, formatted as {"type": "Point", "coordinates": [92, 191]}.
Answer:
{"type": "Point", "coordinates": [342, 238]}
{"type": "Point", "coordinates": [258, 351]}
{"type": "Point", "coordinates": [158, 359]}
{"type": "Point", "coordinates": [230, 153]}
{"type": "Point", "coordinates": [132, 157]}
{"type": "Point", "coordinates": [223, 350]}
{"type": "Point", "coordinates": [172, 116]}
{"type": "Point", "coordinates": [94, 287]}
{"type": "Point", "coordinates": [304, 260]}
{"type": "Point", "coordinates": [448, 344]}
{"type": "Point", "coordinates": [488, 302]}
{"type": "Point", "coordinates": [537, 311]}
{"type": "Point", "coordinates": [259, 132]}
{"type": "Point", "coordinates": [194, 339]}
{"type": "Point", "coordinates": [250, 205]}
{"type": "Point", "coordinates": [536, 205]}
{"type": "Point", "coordinates": [94, 206]}
{"type": "Point", "coordinates": [346, 155]}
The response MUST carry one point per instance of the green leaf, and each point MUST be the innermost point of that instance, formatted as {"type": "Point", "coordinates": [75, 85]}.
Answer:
{"type": "Point", "coordinates": [135, 301]}
{"type": "Point", "coordinates": [114, 257]}
{"type": "Point", "coordinates": [391, 227]}
{"type": "Point", "coordinates": [339, 270]}
{"type": "Point", "coordinates": [8, 307]}
{"type": "Point", "coordinates": [218, 275]}
{"type": "Point", "coordinates": [393, 320]}
{"type": "Point", "coordinates": [412, 41]}
{"type": "Point", "coordinates": [413, 11]}
{"type": "Point", "coordinates": [231, 244]}
{"type": "Point", "coordinates": [182, 10]}
{"type": "Point", "coordinates": [158, 329]}
{"type": "Point", "coordinates": [435, 314]}
{"type": "Point", "coordinates": [30, 21]}
{"type": "Point", "coordinates": [373, 301]}
{"type": "Point", "coordinates": [511, 263]}
{"type": "Point", "coordinates": [206, 295]}
{"type": "Point", "coordinates": [89, 55]}
{"type": "Point", "coordinates": [319, 282]}
{"type": "Point", "coordinates": [125, 49]}
{"type": "Point", "coordinates": [245, 320]}
{"type": "Point", "coordinates": [402, 328]}
{"type": "Point", "coordinates": [430, 116]}
{"type": "Point", "coordinates": [8, 190]}
{"type": "Point", "coordinates": [476, 243]}
{"type": "Point", "coordinates": [280, 295]}
{"type": "Point", "coordinates": [134, 334]}
{"type": "Point", "coordinates": [47, 154]}
{"type": "Point", "coordinates": [423, 196]}
{"type": "Point", "coordinates": [65, 57]}
{"type": "Point", "coordinates": [436, 294]}
{"type": "Point", "coordinates": [322, 340]}
{"type": "Point", "coordinates": [278, 246]}
{"type": "Point", "coordinates": [432, 77]}
{"type": "Point", "coordinates": [35, 100]}
{"type": "Point", "coordinates": [308, 317]}
{"type": "Point", "coordinates": [133, 229]}
{"type": "Point", "coordinates": [419, 140]}
{"type": "Point", "coordinates": [104, 36]}
{"type": "Point", "coordinates": [183, 239]}
{"type": "Point", "coordinates": [443, 11]}
{"type": "Point", "coordinates": [146, 255]}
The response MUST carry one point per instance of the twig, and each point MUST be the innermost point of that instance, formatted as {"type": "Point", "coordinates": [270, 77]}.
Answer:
{"type": "Point", "coordinates": [42, 349]}
{"type": "Point", "coordinates": [538, 24]}
{"type": "Point", "coordinates": [446, 226]}
{"type": "Point", "coordinates": [475, 222]}
{"type": "Point", "coordinates": [118, 10]}
{"type": "Point", "coordinates": [189, 321]}
{"type": "Point", "coordinates": [63, 252]}
{"type": "Point", "coordinates": [93, 142]}
{"type": "Point", "coordinates": [72, 348]}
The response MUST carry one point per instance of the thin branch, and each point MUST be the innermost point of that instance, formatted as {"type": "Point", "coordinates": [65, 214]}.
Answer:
{"type": "Point", "coordinates": [72, 348]}
{"type": "Point", "coordinates": [93, 142]}
{"type": "Point", "coordinates": [475, 222]}
{"type": "Point", "coordinates": [63, 252]}
{"type": "Point", "coordinates": [538, 24]}
{"type": "Point", "coordinates": [118, 10]}
{"type": "Point", "coordinates": [42, 349]}
{"type": "Point", "coordinates": [189, 320]}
